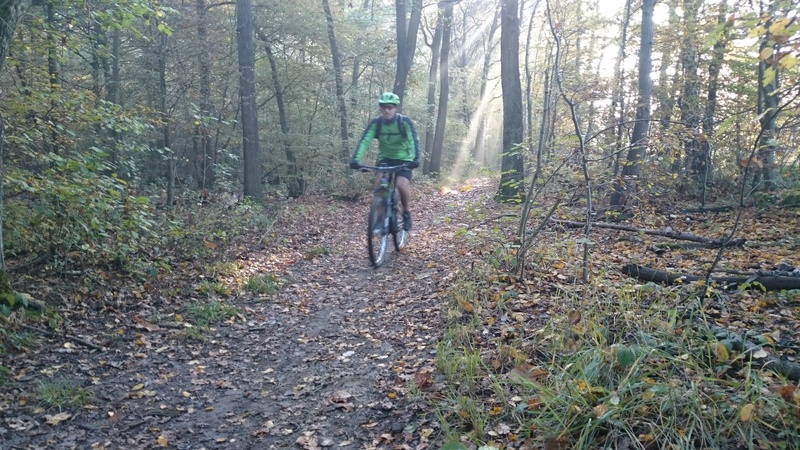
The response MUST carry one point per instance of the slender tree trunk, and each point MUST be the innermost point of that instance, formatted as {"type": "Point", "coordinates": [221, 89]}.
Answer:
{"type": "Point", "coordinates": [478, 149]}
{"type": "Point", "coordinates": [618, 99]}
{"type": "Point", "coordinates": [433, 75]}
{"type": "Point", "coordinates": [406, 41]}
{"type": "Point", "coordinates": [529, 79]}
{"type": "Point", "coordinates": [253, 187]}
{"type": "Point", "coordinates": [166, 135]}
{"type": "Point", "coordinates": [512, 166]}
{"type": "Point", "coordinates": [625, 187]}
{"type": "Point", "coordinates": [295, 182]}
{"type": "Point", "coordinates": [717, 57]}
{"type": "Point", "coordinates": [10, 13]}
{"type": "Point", "coordinates": [114, 95]}
{"type": "Point", "coordinates": [444, 91]}
{"type": "Point", "coordinates": [205, 149]}
{"type": "Point", "coordinates": [337, 71]}
{"type": "Point", "coordinates": [690, 94]}
{"type": "Point", "coordinates": [769, 100]}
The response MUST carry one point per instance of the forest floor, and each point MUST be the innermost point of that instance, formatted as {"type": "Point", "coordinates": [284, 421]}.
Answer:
{"type": "Point", "coordinates": [325, 361]}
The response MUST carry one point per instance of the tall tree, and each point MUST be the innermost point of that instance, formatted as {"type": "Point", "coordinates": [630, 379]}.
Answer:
{"type": "Point", "coordinates": [625, 186]}
{"type": "Point", "coordinates": [294, 180]}
{"type": "Point", "coordinates": [338, 77]}
{"type": "Point", "coordinates": [433, 74]}
{"type": "Point", "coordinates": [247, 96]}
{"type": "Point", "coordinates": [689, 101]}
{"type": "Point", "coordinates": [488, 51]}
{"type": "Point", "coordinates": [202, 141]}
{"type": "Point", "coordinates": [714, 68]}
{"type": "Point", "coordinates": [10, 13]}
{"type": "Point", "coordinates": [513, 169]}
{"type": "Point", "coordinates": [406, 41]}
{"type": "Point", "coordinates": [444, 90]}
{"type": "Point", "coordinates": [768, 95]}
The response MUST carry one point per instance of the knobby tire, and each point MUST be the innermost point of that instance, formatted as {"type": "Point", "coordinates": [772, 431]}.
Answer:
{"type": "Point", "coordinates": [377, 234]}
{"type": "Point", "coordinates": [399, 235]}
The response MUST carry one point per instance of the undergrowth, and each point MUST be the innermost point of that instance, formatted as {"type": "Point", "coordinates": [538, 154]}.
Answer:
{"type": "Point", "coordinates": [600, 367]}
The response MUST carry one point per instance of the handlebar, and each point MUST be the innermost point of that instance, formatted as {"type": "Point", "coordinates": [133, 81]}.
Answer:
{"type": "Point", "coordinates": [365, 168]}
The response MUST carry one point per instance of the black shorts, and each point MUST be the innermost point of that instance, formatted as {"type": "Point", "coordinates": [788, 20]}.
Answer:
{"type": "Point", "coordinates": [405, 173]}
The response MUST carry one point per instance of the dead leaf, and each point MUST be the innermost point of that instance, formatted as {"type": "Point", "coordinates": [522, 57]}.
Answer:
{"type": "Point", "coordinates": [341, 396]}
{"type": "Point", "coordinates": [57, 418]}
{"type": "Point", "coordinates": [747, 412]}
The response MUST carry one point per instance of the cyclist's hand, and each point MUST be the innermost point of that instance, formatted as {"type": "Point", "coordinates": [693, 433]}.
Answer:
{"type": "Point", "coordinates": [413, 164]}
{"type": "Point", "coordinates": [354, 165]}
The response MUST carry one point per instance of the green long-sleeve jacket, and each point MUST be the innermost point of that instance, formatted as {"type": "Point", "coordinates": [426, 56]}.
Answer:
{"type": "Point", "coordinates": [391, 143]}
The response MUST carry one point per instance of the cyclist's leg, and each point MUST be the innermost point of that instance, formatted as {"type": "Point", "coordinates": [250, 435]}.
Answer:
{"type": "Point", "coordinates": [404, 187]}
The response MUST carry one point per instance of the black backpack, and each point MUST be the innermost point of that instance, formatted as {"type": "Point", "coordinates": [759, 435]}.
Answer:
{"type": "Point", "coordinates": [400, 125]}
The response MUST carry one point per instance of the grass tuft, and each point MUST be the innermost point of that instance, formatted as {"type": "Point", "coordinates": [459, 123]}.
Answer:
{"type": "Point", "coordinates": [610, 368]}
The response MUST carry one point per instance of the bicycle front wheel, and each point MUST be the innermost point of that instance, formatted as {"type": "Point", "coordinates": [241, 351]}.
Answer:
{"type": "Point", "coordinates": [377, 232]}
{"type": "Point", "coordinates": [399, 234]}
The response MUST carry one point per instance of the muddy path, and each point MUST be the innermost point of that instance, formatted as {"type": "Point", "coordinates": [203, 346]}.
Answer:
{"type": "Point", "coordinates": [327, 362]}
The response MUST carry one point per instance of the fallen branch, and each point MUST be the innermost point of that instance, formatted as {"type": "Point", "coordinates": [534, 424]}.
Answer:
{"type": "Point", "coordinates": [770, 283]}
{"type": "Point", "coordinates": [670, 234]}
{"type": "Point", "coordinates": [727, 208]}
{"type": "Point", "coordinates": [748, 350]}
{"type": "Point", "coordinates": [56, 335]}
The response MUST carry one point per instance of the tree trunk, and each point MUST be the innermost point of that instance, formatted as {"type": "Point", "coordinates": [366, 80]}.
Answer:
{"type": "Point", "coordinates": [513, 169]}
{"type": "Point", "coordinates": [166, 144]}
{"type": "Point", "coordinates": [294, 180]}
{"type": "Point", "coordinates": [626, 185]}
{"type": "Point", "coordinates": [717, 58]}
{"type": "Point", "coordinates": [337, 71]}
{"type": "Point", "coordinates": [435, 166]}
{"type": "Point", "coordinates": [768, 105]}
{"type": "Point", "coordinates": [205, 149]}
{"type": "Point", "coordinates": [433, 75]}
{"type": "Point", "coordinates": [689, 102]}
{"type": "Point", "coordinates": [477, 149]}
{"type": "Point", "coordinates": [618, 98]}
{"type": "Point", "coordinates": [247, 95]}
{"type": "Point", "coordinates": [529, 79]}
{"type": "Point", "coordinates": [406, 42]}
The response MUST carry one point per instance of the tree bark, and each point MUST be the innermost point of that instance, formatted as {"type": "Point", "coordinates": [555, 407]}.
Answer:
{"type": "Point", "coordinates": [626, 185]}
{"type": "Point", "coordinates": [247, 94]}
{"type": "Point", "coordinates": [717, 58]}
{"type": "Point", "coordinates": [406, 42]}
{"type": "Point", "coordinates": [435, 166]}
{"type": "Point", "coordinates": [670, 234]}
{"type": "Point", "coordinates": [768, 101]}
{"type": "Point", "coordinates": [513, 169]}
{"type": "Point", "coordinates": [754, 281]}
{"type": "Point", "coordinates": [433, 75]}
{"type": "Point", "coordinates": [618, 98]}
{"type": "Point", "coordinates": [339, 80]}
{"type": "Point", "coordinates": [477, 149]}
{"type": "Point", "coordinates": [295, 183]}
{"type": "Point", "coordinates": [205, 150]}
{"type": "Point", "coordinates": [689, 101]}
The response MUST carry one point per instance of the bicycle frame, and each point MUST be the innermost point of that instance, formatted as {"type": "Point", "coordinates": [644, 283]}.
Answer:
{"type": "Point", "coordinates": [382, 220]}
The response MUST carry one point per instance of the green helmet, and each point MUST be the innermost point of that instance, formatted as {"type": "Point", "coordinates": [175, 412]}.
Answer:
{"type": "Point", "coordinates": [388, 98]}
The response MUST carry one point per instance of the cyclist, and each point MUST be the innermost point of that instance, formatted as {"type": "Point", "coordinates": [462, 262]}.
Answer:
{"type": "Point", "coordinates": [397, 144]}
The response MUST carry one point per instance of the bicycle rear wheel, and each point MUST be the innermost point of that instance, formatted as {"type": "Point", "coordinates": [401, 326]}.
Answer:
{"type": "Point", "coordinates": [399, 235]}
{"type": "Point", "coordinates": [377, 232]}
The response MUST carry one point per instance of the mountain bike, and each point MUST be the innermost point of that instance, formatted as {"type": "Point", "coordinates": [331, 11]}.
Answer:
{"type": "Point", "coordinates": [385, 215]}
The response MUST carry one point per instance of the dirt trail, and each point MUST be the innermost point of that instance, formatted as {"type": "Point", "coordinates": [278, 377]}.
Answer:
{"type": "Point", "coordinates": [325, 363]}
